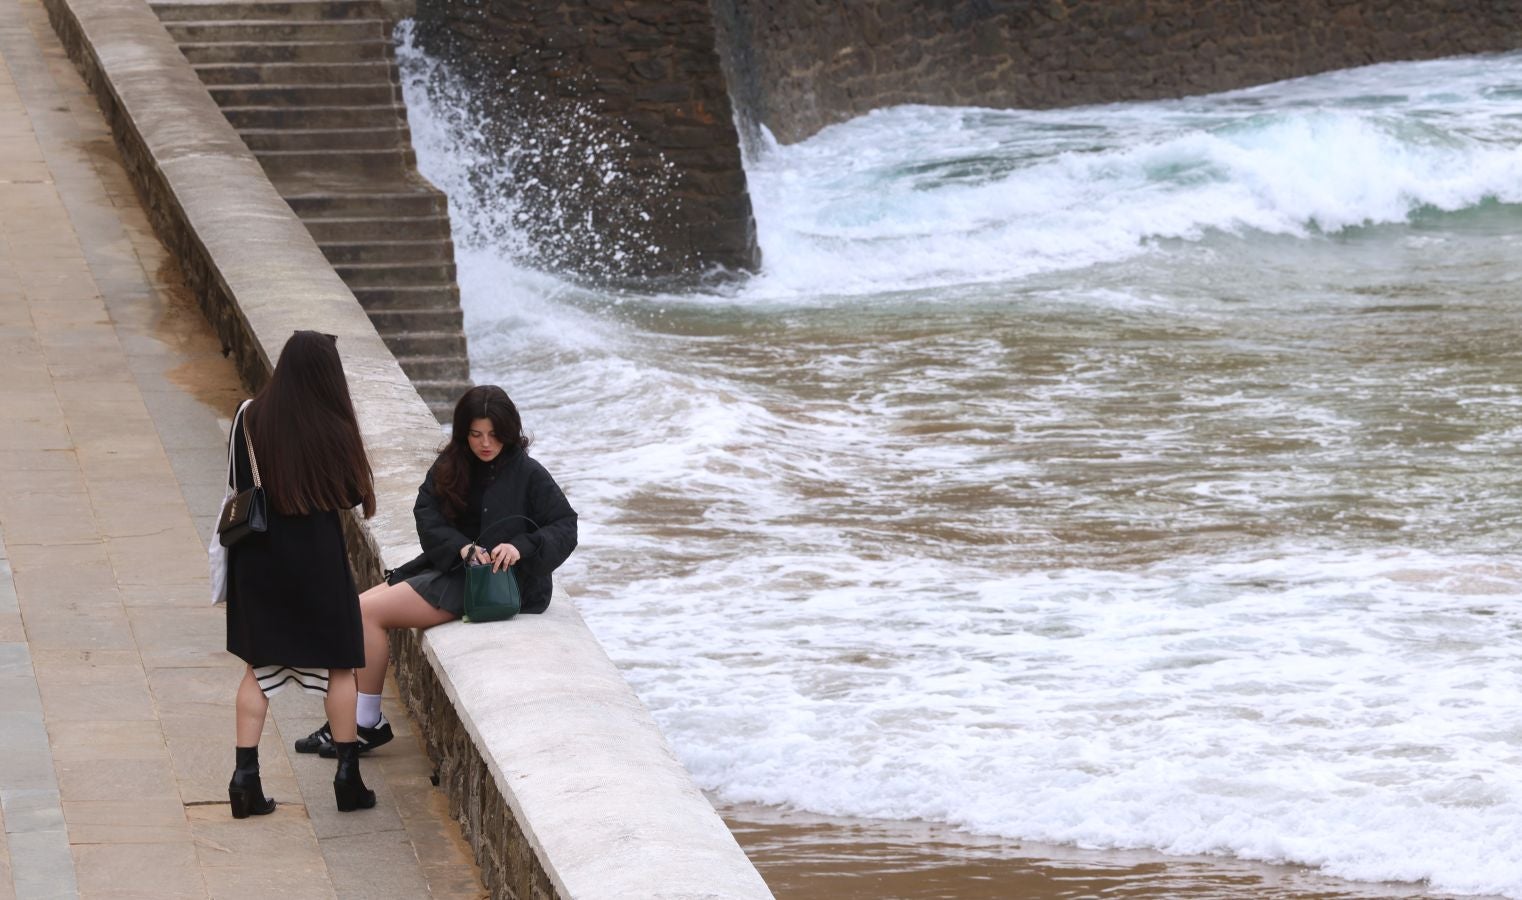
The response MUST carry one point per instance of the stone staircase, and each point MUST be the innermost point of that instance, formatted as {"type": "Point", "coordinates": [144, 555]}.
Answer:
{"type": "Point", "coordinates": [312, 87]}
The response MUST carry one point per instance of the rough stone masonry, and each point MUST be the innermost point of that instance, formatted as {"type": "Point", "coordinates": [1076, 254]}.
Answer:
{"type": "Point", "coordinates": [799, 65]}
{"type": "Point", "coordinates": [614, 120]}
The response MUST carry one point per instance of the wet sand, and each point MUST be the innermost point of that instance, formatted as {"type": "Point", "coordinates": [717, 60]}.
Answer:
{"type": "Point", "coordinates": [807, 857]}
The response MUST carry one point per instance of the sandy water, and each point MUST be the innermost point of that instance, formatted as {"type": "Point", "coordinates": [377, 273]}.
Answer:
{"type": "Point", "coordinates": [1136, 478]}
{"type": "Point", "coordinates": [804, 856]}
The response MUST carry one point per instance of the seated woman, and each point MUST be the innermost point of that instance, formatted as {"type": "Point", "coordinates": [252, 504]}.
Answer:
{"type": "Point", "coordinates": [484, 498]}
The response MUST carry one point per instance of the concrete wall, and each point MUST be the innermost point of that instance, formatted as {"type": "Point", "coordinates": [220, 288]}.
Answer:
{"type": "Point", "coordinates": [799, 65]}
{"type": "Point", "coordinates": [636, 88]}
{"type": "Point", "coordinates": [559, 774]}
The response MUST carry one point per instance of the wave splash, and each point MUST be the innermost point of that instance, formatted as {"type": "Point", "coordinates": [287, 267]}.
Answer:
{"type": "Point", "coordinates": [917, 197]}
{"type": "Point", "coordinates": [523, 170]}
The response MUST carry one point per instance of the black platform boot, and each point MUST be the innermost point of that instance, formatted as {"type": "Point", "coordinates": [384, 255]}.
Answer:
{"type": "Point", "coordinates": [348, 788]}
{"type": "Point", "coordinates": [244, 792]}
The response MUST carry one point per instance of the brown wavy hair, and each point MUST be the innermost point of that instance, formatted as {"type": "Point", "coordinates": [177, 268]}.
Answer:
{"type": "Point", "coordinates": [311, 455]}
{"type": "Point", "coordinates": [451, 474]}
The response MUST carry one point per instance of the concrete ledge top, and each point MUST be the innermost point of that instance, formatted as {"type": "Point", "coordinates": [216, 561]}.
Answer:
{"type": "Point", "coordinates": [582, 764]}
{"type": "Point", "coordinates": [609, 810]}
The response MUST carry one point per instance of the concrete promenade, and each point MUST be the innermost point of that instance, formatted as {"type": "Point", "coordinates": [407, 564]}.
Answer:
{"type": "Point", "coordinates": [115, 694]}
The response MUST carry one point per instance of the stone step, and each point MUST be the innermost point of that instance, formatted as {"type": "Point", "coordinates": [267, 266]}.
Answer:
{"type": "Point", "coordinates": [312, 87]}
{"type": "Point", "coordinates": [394, 163]}
{"type": "Point", "coordinates": [379, 50]}
{"type": "Point", "coordinates": [396, 228]}
{"type": "Point", "coordinates": [411, 204]}
{"type": "Point", "coordinates": [394, 275]}
{"type": "Point", "coordinates": [276, 31]}
{"type": "Point", "coordinates": [303, 10]}
{"type": "Point", "coordinates": [302, 73]}
{"type": "Point", "coordinates": [435, 368]}
{"type": "Point", "coordinates": [325, 138]}
{"type": "Point", "coordinates": [448, 388]}
{"type": "Point", "coordinates": [442, 395]}
{"type": "Point", "coordinates": [436, 296]}
{"type": "Point", "coordinates": [397, 321]}
{"type": "Point", "coordinates": [316, 117]}
{"type": "Point", "coordinates": [426, 344]}
{"type": "Point", "coordinates": [305, 94]}
{"type": "Point", "coordinates": [389, 251]}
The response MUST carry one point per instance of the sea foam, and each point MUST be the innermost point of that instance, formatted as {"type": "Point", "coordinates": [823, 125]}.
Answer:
{"type": "Point", "coordinates": [898, 198]}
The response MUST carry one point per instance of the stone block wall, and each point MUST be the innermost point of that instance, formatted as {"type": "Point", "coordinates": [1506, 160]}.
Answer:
{"type": "Point", "coordinates": [509, 867]}
{"type": "Point", "coordinates": [614, 120]}
{"type": "Point", "coordinates": [799, 65]}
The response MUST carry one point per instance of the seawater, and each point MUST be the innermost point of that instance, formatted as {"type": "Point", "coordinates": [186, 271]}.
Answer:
{"type": "Point", "coordinates": [1130, 476]}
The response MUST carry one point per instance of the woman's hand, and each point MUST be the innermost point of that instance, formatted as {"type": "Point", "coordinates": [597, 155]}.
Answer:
{"type": "Point", "coordinates": [503, 556]}
{"type": "Point", "coordinates": [480, 556]}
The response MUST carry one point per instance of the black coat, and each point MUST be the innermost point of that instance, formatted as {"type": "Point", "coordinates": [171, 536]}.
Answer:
{"type": "Point", "coordinates": [291, 599]}
{"type": "Point", "coordinates": [516, 502]}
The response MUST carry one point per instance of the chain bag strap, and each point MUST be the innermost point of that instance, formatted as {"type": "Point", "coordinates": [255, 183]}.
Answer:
{"type": "Point", "coordinates": [253, 461]}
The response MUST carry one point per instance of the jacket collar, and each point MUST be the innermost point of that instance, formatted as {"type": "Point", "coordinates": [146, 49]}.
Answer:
{"type": "Point", "coordinates": [496, 465]}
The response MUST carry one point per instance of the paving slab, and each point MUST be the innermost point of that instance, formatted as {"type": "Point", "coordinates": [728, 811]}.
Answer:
{"type": "Point", "coordinates": [116, 716]}
{"type": "Point", "coordinates": [7, 885]}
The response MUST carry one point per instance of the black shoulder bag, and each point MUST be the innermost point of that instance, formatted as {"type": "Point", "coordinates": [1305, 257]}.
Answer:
{"type": "Point", "coordinates": [244, 512]}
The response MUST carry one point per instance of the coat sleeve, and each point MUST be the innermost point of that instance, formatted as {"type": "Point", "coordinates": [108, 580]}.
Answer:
{"type": "Point", "coordinates": [440, 540]}
{"type": "Point", "coordinates": [543, 551]}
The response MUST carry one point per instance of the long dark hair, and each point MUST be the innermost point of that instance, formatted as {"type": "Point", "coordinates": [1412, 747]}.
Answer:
{"type": "Point", "coordinates": [451, 474]}
{"type": "Point", "coordinates": [311, 456]}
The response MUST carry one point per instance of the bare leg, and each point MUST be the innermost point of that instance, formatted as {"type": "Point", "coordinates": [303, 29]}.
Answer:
{"type": "Point", "coordinates": [340, 704]}
{"type": "Point", "coordinates": [348, 787]}
{"type": "Point", "coordinates": [245, 793]}
{"type": "Point", "coordinates": [251, 707]}
{"type": "Point", "coordinates": [383, 608]}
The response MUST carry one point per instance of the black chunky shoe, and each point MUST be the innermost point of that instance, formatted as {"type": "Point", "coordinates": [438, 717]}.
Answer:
{"type": "Point", "coordinates": [317, 741]}
{"type": "Point", "coordinates": [369, 738]}
{"type": "Point", "coordinates": [348, 788]}
{"type": "Point", "coordinates": [244, 793]}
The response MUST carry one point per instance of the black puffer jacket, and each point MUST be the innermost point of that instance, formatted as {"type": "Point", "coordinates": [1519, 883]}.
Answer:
{"type": "Point", "coordinates": [520, 505]}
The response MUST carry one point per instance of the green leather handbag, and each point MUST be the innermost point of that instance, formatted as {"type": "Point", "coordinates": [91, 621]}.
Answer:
{"type": "Point", "coordinates": [490, 596]}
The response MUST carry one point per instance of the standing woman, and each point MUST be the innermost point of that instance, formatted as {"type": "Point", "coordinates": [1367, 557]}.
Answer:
{"type": "Point", "coordinates": [484, 500]}
{"type": "Point", "coordinates": [292, 607]}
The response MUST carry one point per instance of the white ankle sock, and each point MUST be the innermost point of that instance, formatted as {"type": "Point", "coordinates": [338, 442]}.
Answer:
{"type": "Point", "coordinates": [367, 711]}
